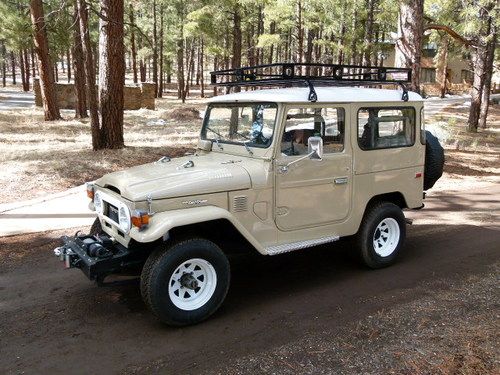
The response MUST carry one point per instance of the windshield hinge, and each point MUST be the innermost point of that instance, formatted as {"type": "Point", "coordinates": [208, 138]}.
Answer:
{"type": "Point", "coordinates": [404, 97]}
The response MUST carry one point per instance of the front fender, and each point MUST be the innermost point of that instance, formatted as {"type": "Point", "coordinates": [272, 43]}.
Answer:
{"type": "Point", "coordinates": [161, 223]}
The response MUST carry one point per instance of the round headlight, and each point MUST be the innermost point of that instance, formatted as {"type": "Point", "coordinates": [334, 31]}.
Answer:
{"type": "Point", "coordinates": [124, 219]}
{"type": "Point", "coordinates": [98, 204]}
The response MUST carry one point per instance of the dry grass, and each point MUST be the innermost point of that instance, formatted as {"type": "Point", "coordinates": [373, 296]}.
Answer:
{"type": "Point", "coordinates": [39, 157]}
{"type": "Point", "coordinates": [471, 158]}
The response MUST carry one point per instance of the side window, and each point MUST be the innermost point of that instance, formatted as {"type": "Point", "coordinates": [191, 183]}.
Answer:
{"type": "Point", "coordinates": [380, 128]}
{"type": "Point", "coordinates": [302, 123]}
{"type": "Point", "coordinates": [422, 126]}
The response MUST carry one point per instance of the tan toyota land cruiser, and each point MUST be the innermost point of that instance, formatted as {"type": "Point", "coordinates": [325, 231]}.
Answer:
{"type": "Point", "coordinates": [276, 170]}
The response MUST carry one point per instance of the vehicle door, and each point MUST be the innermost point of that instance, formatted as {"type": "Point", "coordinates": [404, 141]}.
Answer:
{"type": "Point", "coordinates": [311, 191]}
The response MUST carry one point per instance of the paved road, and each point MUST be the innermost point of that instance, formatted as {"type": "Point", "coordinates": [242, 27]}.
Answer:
{"type": "Point", "coordinates": [67, 209]}
{"type": "Point", "coordinates": [435, 105]}
{"type": "Point", "coordinates": [55, 321]}
{"type": "Point", "coordinates": [13, 99]}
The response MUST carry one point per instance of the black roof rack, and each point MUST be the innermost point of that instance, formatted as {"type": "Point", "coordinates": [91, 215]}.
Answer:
{"type": "Point", "coordinates": [292, 74]}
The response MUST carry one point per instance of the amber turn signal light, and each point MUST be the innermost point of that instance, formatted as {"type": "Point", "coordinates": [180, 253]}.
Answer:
{"type": "Point", "coordinates": [140, 219]}
{"type": "Point", "coordinates": [90, 191]}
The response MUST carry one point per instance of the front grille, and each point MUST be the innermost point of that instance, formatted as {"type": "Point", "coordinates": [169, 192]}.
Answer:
{"type": "Point", "coordinates": [112, 213]}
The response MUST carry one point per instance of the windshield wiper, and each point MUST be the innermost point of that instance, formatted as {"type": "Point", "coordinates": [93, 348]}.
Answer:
{"type": "Point", "coordinates": [216, 139]}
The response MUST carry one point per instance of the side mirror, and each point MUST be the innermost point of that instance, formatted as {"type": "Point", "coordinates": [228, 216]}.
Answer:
{"type": "Point", "coordinates": [315, 152]}
{"type": "Point", "coordinates": [315, 147]}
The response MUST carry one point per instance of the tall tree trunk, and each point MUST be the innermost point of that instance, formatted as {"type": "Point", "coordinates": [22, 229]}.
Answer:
{"type": "Point", "coordinates": [4, 65]}
{"type": "Point", "coordinates": [442, 65]}
{"type": "Point", "coordinates": [202, 68]}
{"type": "Point", "coordinates": [215, 68]}
{"type": "Point", "coordinates": [169, 70]}
{"type": "Point", "coordinates": [111, 72]}
{"type": "Point", "coordinates": [341, 41]}
{"type": "Point", "coordinates": [13, 66]}
{"type": "Point", "coordinates": [56, 73]}
{"type": "Point", "coordinates": [160, 82]}
{"type": "Point", "coordinates": [79, 68]}
{"type": "Point", "coordinates": [180, 57]}
{"type": "Point", "coordinates": [488, 74]}
{"type": "Point", "coordinates": [26, 69]}
{"type": "Point", "coordinates": [272, 30]}
{"type": "Point", "coordinates": [367, 55]}
{"type": "Point", "coordinates": [68, 63]}
{"type": "Point", "coordinates": [479, 66]}
{"type": "Point", "coordinates": [354, 43]}
{"type": "Point", "coordinates": [50, 107]}
{"type": "Point", "coordinates": [132, 43]}
{"type": "Point", "coordinates": [260, 31]}
{"type": "Point", "coordinates": [21, 66]}
{"type": "Point", "coordinates": [189, 66]}
{"type": "Point", "coordinates": [33, 63]}
{"type": "Point", "coordinates": [155, 49]}
{"type": "Point", "coordinates": [89, 75]}
{"type": "Point", "coordinates": [236, 61]}
{"type": "Point", "coordinates": [142, 70]}
{"type": "Point", "coordinates": [300, 33]}
{"type": "Point", "coordinates": [409, 41]}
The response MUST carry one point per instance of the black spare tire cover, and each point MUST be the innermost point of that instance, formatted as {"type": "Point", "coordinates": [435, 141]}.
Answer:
{"type": "Point", "coordinates": [434, 160]}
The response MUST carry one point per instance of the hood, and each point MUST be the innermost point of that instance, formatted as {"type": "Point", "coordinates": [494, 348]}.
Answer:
{"type": "Point", "coordinates": [210, 173]}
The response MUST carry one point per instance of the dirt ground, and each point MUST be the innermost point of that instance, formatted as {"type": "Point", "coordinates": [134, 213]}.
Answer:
{"type": "Point", "coordinates": [314, 311]}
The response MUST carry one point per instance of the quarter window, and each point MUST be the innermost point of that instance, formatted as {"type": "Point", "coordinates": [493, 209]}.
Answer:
{"type": "Point", "coordinates": [302, 123]}
{"type": "Point", "coordinates": [380, 128]}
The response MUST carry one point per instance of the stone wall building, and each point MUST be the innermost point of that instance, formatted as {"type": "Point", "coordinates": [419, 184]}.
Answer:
{"type": "Point", "coordinates": [134, 96]}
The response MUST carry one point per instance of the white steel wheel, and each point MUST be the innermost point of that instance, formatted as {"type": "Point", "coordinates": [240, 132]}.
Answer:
{"type": "Point", "coordinates": [386, 237]}
{"type": "Point", "coordinates": [192, 284]}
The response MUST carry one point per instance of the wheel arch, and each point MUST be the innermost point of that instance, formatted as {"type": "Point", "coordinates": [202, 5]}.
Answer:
{"type": "Point", "coordinates": [395, 197]}
{"type": "Point", "coordinates": [222, 232]}
{"type": "Point", "coordinates": [212, 223]}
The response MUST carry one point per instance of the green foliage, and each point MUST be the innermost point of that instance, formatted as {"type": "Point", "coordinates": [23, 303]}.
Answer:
{"type": "Point", "coordinates": [15, 24]}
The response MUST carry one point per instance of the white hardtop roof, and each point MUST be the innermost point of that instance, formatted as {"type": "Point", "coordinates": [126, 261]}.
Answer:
{"type": "Point", "coordinates": [325, 95]}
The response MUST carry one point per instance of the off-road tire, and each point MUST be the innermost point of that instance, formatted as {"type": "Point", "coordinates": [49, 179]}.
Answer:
{"type": "Point", "coordinates": [375, 216]}
{"type": "Point", "coordinates": [434, 160]}
{"type": "Point", "coordinates": [96, 228]}
{"type": "Point", "coordinates": [160, 267]}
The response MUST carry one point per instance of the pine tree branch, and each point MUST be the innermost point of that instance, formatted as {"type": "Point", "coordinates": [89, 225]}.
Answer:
{"type": "Point", "coordinates": [451, 32]}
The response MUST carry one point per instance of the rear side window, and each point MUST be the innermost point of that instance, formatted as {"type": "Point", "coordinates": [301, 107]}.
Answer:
{"type": "Point", "coordinates": [380, 128]}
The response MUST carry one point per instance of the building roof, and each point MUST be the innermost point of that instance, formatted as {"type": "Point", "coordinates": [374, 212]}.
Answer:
{"type": "Point", "coordinates": [325, 95]}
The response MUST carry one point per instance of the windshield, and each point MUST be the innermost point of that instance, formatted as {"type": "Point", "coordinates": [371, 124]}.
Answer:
{"type": "Point", "coordinates": [250, 124]}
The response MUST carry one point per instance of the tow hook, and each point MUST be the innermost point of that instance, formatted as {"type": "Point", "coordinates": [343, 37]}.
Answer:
{"type": "Point", "coordinates": [409, 221]}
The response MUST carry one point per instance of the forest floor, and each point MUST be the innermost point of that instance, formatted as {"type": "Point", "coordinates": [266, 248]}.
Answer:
{"type": "Point", "coordinates": [39, 157]}
{"type": "Point", "coordinates": [435, 311]}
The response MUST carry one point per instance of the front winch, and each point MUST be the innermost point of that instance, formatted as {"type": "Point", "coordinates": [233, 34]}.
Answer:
{"type": "Point", "coordinates": [96, 256]}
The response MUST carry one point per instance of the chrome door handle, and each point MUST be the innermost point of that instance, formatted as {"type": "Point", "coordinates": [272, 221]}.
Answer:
{"type": "Point", "coordinates": [340, 180]}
